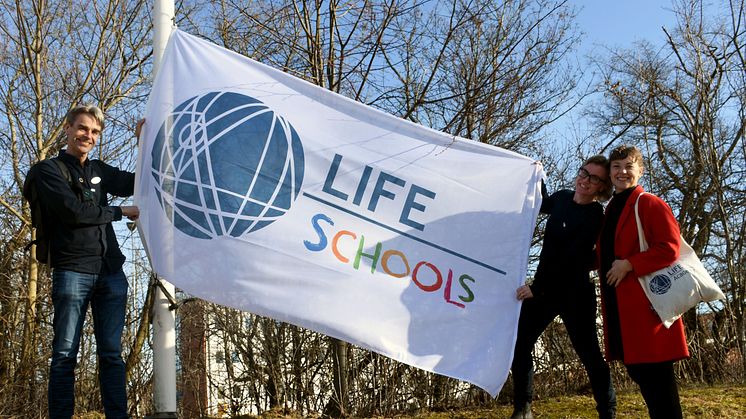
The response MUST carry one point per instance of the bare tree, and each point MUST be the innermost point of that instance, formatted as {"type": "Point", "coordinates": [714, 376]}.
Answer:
{"type": "Point", "coordinates": [51, 59]}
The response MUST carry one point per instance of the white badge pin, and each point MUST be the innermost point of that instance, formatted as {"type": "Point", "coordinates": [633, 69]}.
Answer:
{"type": "Point", "coordinates": [96, 180]}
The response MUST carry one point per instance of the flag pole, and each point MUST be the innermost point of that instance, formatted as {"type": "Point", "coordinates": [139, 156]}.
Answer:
{"type": "Point", "coordinates": [164, 316]}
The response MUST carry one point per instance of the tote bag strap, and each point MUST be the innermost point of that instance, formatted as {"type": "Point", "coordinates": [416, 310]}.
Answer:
{"type": "Point", "coordinates": [640, 234]}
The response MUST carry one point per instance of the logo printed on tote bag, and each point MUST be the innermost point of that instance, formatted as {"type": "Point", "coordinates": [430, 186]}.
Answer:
{"type": "Point", "coordinates": [226, 164]}
{"type": "Point", "coordinates": [660, 284]}
{"type": "Point", "coordinates": [663, 281]}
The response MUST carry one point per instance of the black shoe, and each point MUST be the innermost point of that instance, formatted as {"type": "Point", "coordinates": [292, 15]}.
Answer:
{"type": "Point", "coordinates": [522, 412]}
{"type": "Point", "coordinates": [607, 414]}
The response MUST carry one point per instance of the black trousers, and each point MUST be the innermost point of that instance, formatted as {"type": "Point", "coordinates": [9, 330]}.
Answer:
{"type": "Point", "coordinates": [657, 383]}
{"type": "Point", "coordinates": [577, 309]}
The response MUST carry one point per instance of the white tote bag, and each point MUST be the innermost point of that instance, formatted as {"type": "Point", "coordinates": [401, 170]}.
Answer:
{"type": "Point", "coordinates": [677, 288]}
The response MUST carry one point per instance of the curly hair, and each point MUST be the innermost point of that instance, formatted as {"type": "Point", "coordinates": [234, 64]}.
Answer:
{"type": "Point", "coordinates": [624, 151]}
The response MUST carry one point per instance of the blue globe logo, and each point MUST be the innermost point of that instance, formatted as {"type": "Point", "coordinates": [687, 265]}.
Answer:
{"type": "Point", "coordinates": [226, 164]}
{"type": "Point", "coordinates": [660, 284]}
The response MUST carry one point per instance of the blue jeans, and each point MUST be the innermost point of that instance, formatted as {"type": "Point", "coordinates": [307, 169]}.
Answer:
{"type": "Point", "coordinates": [72, 292]}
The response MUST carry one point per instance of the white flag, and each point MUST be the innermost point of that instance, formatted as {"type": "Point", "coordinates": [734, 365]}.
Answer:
{"type": "Point", "coordinates": [263, 192]}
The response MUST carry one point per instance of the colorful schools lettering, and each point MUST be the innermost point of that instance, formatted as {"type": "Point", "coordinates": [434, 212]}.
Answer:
{"type": "Point", "coordinates": [385, 259]}
{"type": "Point", "coordinates": [384, 184]}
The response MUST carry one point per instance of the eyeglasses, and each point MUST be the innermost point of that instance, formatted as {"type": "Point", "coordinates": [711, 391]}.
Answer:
{"type": "Point", "coordinates": [583, 174]}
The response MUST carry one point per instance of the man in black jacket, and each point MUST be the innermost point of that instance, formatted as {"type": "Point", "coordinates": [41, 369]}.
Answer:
{"type": "Point", "coordinates": [86, 262]}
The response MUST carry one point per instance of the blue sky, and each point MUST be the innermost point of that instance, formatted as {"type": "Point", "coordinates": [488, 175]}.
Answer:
{"type": "Point", "coordinates": [611, 24]}
{"type": "Point", "coordinates": [622, 22]}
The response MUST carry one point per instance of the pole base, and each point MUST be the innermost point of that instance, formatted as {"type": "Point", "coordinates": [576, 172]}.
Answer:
{"type": "Point", "coordinates": [162, 415]}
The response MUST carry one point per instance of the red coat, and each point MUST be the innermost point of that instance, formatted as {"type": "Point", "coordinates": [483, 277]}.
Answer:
{"type": "Point", "coordinates": [644, 338]}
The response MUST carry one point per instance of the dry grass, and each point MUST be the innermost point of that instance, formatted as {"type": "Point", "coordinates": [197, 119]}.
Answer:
{"type": "Point", "coordinates": [700, 402]}
{"type": "Point", "coordinates": [721, 402]}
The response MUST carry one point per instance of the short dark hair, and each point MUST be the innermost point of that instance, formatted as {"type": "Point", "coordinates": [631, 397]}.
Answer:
{"type": "Point", "coordinates": [91, 110]}
{"type": "Point", "coordinates": [601, 160]}
{"type": "Point", "coordinates": [624, 151]}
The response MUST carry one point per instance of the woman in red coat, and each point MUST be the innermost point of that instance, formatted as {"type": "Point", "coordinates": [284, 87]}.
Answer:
{"type": "Point", "coordinates": [633, 332]}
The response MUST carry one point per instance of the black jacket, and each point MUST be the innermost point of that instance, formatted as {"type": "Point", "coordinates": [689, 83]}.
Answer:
{"type": "Point", "coordinates": [82, 237]}
{"type": "Point", "coordinates": [567, 253]}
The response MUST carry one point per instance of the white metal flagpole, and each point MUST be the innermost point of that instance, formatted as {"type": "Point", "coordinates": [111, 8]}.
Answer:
{"type": "Point", "coordinates": [164, 315]}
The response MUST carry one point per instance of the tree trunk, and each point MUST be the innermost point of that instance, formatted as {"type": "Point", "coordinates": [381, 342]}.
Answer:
{"type": "Point", "coordinates": [193, 360]}
{"type": "Point", "coordinates": [338, 404]}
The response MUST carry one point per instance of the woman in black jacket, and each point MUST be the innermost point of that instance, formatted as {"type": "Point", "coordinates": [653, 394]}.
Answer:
{"type": "Point", "coordinates": [562, 286]}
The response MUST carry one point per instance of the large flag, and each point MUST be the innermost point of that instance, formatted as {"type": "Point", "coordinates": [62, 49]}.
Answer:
{"type": "Point", "coordinates": [263, 192]}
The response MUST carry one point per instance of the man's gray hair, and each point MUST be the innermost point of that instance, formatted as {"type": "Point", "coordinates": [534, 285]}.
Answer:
{"type": "Point", "coordinates": [91, 110]}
